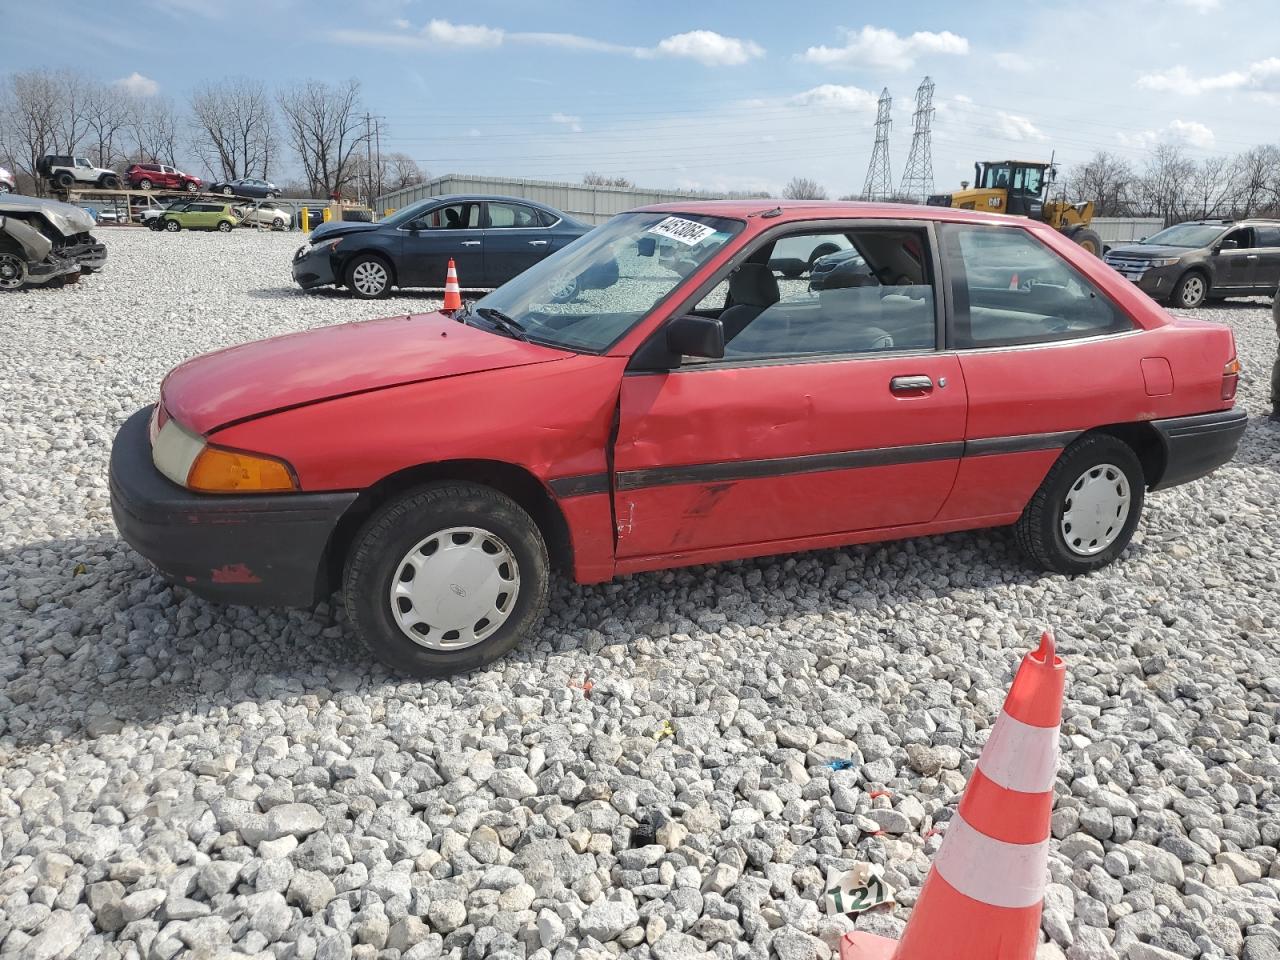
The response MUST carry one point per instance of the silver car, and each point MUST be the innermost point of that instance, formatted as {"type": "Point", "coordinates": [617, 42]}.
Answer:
{"type": "Point", "coordinates": [270, 215]}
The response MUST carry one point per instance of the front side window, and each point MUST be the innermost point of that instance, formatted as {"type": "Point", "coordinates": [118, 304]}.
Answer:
{"type": "Point", "coordinates": [512, 215]}
{"type": "Point", "coordinates": [995, 176]}
{"type": "Point", "coordinates": [1009, 289]}
{"type": "Point", "coordinates": [1243, 238]}
{"type": "Point", "coordinates": [864, 290]}
{"type": "Point", "coordinates": [82, 162]}
{"type": "Point", "coordinates": [454, 216]}
{"type": "Point", "coordinates": [589, 294]}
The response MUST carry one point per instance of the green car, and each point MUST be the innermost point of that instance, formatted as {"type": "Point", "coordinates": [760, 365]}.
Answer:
{"type": "Point", "coordinates": [196, 215]}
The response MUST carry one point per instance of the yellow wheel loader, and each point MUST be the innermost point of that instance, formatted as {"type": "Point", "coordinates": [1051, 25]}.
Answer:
{"type": "Point", "coordinates": [1021, 188]}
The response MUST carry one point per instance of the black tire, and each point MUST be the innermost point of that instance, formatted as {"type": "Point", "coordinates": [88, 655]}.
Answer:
{"type": "Point", "coordinates": [270, 196]}
{"type": "Point", "coordinates": [64, 180]}
{"type": "Point", "coordinates": [1087, 239]}
{"type": "Point", "coordinates": [172, 226]}
{"type": "Point", "coordinates": [111, 182]}
{"type": "Point", "coordinates": [1191, 291]}
{"type": "Point", "coordinates": [190, 186]}
{"type": "Point", "coordinates": [1039, 531]}
{"type": "Point", "coordinates": [280, 223]}
{"type": "Point", "coordinates": [363, 264]}
{"type": "Point", "coordinates": [228, 192]}
{"type": "Point", "coordinates": [224, 226]}
{"type": "Point", "coordinates": [377, 554]}
{"type": "Point", "coordinates": [144, 184]}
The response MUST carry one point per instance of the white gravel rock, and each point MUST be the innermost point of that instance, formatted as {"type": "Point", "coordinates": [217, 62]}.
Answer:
{"type": "Point", "coordinates": [179, 776]}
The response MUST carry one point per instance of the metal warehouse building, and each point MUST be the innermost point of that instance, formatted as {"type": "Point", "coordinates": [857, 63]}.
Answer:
{"type": "Point", "coordinates": [586, 203]}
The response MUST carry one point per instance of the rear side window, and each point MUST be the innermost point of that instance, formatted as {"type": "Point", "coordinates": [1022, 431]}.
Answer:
{"type": "Point", "coordinates": [512, 215]}
{"type": "Point", "coordinates": [1009, 288]}
{"type": "Point", "coordinates": [1268, 236]}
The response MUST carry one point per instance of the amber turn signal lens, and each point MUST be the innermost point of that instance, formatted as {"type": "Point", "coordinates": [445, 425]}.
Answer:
{"type": "Point", "coordinates": [1230, 378]}
{"type": "Point", "coordinates": [230, 471]}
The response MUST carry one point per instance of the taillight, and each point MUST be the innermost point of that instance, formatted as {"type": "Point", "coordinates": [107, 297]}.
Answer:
{"type": "Point", "coordinates": [1230, 378]}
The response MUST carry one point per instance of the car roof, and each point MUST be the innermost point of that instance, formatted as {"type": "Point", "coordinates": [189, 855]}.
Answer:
{"type": "Point", "coordinates": [803, 210]}
{"type": "Point", "coordinates": [497, 197]}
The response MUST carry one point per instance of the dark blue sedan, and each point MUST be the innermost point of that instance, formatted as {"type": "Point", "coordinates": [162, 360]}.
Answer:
{"type": "Point", "coordinates": [490, 239]}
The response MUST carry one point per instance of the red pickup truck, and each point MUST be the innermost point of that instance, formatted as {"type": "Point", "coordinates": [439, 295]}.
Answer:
{"type": "Point", "coordinates": [928, 370]}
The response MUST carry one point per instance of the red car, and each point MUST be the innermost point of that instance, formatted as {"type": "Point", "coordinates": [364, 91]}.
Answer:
{"type": "Point", "coordinates": [145, 176]}
{"type": "Point", "coordinates": [980, 372]}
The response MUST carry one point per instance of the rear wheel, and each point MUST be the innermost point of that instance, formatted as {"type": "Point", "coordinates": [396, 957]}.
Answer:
{"type": "Point", "coordinates": [1191, 291]}
{"type": "Point", "coordinates": [111, 182]}
{"type": "Point", "coordinates": [224, 226]}
{"type": "Point", "coordinates": [368, 277]}
{"type": "Point", "coordinates": [445, 579]}
{"type": "Point", "coordinates": [64, 180]}
{"type": "Point", "coordinates": [1087, 508]}
{"type": "Point", "coordinates": [173, 226]}
{"type": "Point", "coordinates": [228, 192]}
{"type": "Point", "coordinates": [144, 184]}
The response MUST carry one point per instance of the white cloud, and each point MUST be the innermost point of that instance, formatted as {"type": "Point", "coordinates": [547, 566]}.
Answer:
{"type": "Point", "coordinates": [402, 23]}
{"type": "Point", "coordinates": [1202, 6]}
{"type": "Point", "coordinates": [1264, 75]}
{"type": "Point", "coordinates": [137, 85]}
{"type": "Point", "coordinates": [836, 96]}
{"type": "Point", "coordinates": [1013, 127]}
{"type": "Point", "coordinates": [462, 34]}
{"type": "Point", "coordinates": [565, 120]}
{"type": "Point", "coordinates": [1013, 62]}
{"type": "Point", "coordinates": [878, 47]}
{"type": "Point", "coordinates": [710, 48]}
{"type": "Point", "coordinates": [705, 46]}
{"type": "Point", "coordinates": [1189, 132]}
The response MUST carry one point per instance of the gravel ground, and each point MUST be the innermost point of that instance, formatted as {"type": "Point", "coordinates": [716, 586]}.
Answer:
{"type": "Point", "coordinates": [181, 779]}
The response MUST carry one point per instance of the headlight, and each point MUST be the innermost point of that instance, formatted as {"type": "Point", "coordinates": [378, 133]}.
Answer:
{"type": "Point", "coordinates": [1165, 262]}
{"type": "Point", "coordinates": [324, 246]}
{"type": "Point", "coordinates": [190, 461]}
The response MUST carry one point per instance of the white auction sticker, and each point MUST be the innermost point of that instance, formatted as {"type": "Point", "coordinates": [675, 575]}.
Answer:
{"type": "Point", "coordinates": [688, 232]}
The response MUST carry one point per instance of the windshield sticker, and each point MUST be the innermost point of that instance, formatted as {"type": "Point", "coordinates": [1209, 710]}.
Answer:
{"type": "Point", "coordinates": [689, 232]}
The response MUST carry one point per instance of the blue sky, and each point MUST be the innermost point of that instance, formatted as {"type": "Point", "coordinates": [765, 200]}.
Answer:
{"type": "Point", "coordinates": [717, 94]}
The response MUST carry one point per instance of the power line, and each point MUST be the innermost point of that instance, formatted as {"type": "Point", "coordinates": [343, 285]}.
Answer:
{"type": "Point", "coordinates": [917, 179]}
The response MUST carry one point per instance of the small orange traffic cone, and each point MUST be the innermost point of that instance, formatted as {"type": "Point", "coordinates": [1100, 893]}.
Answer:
{"type": "Point", "coordinates": [452, 293]}
{"type": "Point", "coordinates": [982, 898]}
{"type": "Point", "coordinates": [1013, 282]}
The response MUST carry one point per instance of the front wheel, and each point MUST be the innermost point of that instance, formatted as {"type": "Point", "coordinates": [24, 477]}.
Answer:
{"type": "Point", "coordinates": [191, 186]}
{"type": "Point", "coordinates": [270, 195]}
{"type": "Point", "coordinates": [1087, 508]}
{"type": "Point", "coordinates": [1089, 240]}
{"type": "Point", "coordinates": [228, 192]}
{"type": "Point", "coordinates": [368, 278]}
{"type": "Point", "coordinates": [445, 579]}
{"type": "Point", "coordinates": [1191, 291]}
{"type": "Point", "coordinates": [173, 226]}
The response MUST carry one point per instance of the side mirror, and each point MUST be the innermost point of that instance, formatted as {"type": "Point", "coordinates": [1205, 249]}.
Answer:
{"type": "Point", "coordinates": [647, 246]}
{"type": "Point", "coordinates": [1227, 245]}
{"type": "Point", "coordinates": [694, 336]}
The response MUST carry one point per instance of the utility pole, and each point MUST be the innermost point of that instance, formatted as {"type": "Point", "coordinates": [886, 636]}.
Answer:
{"type": "Point", "coordinates": [368, 162]}
{"type": "Point", "coordinates": [377, 132]}
{"type": "Point", "coordinates": [917, 179]}
{"type": "Point", "coordinates": [879, 182]}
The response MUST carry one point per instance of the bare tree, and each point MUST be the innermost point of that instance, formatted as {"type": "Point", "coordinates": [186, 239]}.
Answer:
{"type": "Point", "coordinates": [803, 188]}
{"type": "Point", "coordinates": [1105, 179]}
{"type": "Point", "coordinates": [155, 129]}
{"type": "Point", "coordinates": [44, 112]}
{"type": "Point", "coordinates": [403, 171]}
{"type": "Point", "coordinates": [325, 125]}
{"type": "Point", "coordinates": [107, 114]}
{"type": "Point", "coordinates": [232, 126]}
{"type": "Point", "coordinates": [1164, 187]}
{"type": "Point", "coordinates": [593, 179]}
{"type": "Point", "coordinates": [1213, 187]}
{"type": "Point", "coordinates": [1258, 178]}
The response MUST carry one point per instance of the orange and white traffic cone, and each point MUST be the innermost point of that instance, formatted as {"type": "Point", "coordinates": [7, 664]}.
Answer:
{"type": "Point", "coordinates": [982, 898]}
{"type": "Point", "coordinates": [1013, 282]}
{"type": "Point", "coordinates": [452, 292]}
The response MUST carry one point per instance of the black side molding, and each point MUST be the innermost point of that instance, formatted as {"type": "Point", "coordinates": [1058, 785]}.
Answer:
{"type": "Point", "coordinates": [1195, 446]}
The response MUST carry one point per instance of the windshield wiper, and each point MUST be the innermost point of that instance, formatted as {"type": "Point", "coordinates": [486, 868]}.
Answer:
{"type": "Point", "coordinates": [501, 321]}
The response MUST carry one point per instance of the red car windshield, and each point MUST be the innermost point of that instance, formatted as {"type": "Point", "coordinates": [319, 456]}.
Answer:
{"type": "Point", "coordinates": [589, 294]}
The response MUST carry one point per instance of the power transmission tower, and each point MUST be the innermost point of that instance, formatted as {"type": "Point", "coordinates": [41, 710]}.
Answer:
{"type": "Point", "coordinates": [879, 183]}
{"type": "Point", "coordinates": [917, 179]}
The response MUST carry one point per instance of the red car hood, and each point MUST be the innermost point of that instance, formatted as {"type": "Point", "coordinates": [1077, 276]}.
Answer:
{"type": "Point", "coordinates": [243, 382]}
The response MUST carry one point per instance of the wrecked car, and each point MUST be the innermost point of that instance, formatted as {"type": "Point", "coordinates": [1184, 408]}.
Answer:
{"type": "Point", "coordinates": [437, 468]}
{"type": "Point", "coordinates": [63, 226]}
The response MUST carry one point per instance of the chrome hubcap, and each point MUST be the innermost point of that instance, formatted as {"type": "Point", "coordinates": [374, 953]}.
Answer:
{"type": "Point", "coordinates": [454, 588]}
{"type": "Point", "coordinates": [369, 277]}
{"type": "Point", "coordinates": [172, 226]}
{"type": "Point", "coordinates": [1192, 290]}
{"type": "Point", "coordinates": [1096, 509]}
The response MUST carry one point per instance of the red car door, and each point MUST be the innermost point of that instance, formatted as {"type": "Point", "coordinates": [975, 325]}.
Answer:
{"type": "Point", "coordinates": [817, 421]}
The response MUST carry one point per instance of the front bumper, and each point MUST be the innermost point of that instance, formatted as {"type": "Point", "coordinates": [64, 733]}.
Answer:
{"type": "Point", "coordinates": [1196, 446]}
{"type": "Point", "coordinates": [86, 251]}
{"type": "Point", "coordinates": [314, 268]}
{"type": "Point", "coordinates": [264, 550]}
{"type": "Point", "coordinates": [1156, 282]}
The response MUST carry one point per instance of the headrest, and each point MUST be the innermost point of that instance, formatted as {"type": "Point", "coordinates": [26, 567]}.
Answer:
{"type": "Point", "coordinates": [753, 284]}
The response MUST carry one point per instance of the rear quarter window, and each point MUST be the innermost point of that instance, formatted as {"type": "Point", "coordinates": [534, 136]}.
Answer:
{"type": "Point", "coordinates": [1008, 289]}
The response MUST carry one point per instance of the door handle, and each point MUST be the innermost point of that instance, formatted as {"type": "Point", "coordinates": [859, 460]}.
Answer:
{"type": "Point", "coordinates": [1252, 256]}
{"type": "Point", "coordinates": [908, 384]}
{"type": "Point", "coordinates": [469, 243]}
{"type": "Point", "coordinates": [537, 243]}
